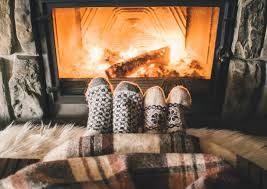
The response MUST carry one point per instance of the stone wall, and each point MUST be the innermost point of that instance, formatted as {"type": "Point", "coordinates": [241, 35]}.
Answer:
{"type": "Point", "coordinates": [21, 92]}
{"type": "Point", "coordinates": [22, 95]}
{"type": "Point", "coordinates": [246, 92]}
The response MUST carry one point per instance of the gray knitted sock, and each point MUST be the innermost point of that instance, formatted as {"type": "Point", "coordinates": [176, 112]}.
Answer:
{"type": "Point", "coordinates": [127, 108]}
{"type": "Point", "coordinates": [99, 98]}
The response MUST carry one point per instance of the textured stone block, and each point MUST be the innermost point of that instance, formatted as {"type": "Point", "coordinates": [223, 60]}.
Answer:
{"type": "Point", "coordinates": [250, 28]}
{"type": "Point", "coordinates": [26, 90]}
{"type": "Point", "coordinates": [243, 84]}
{"type": "Point", "coordinates": [6, 28]}
{"type": "Point", "coordinates": [24, 26]}
{"type": "Point", "coordinates": [5, 108]}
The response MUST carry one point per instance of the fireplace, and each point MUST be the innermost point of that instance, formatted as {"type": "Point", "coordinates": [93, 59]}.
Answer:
{"type": "Point", "coordinates": [149, 42]}
{"type": "Point", "coordinates": [117, 42]}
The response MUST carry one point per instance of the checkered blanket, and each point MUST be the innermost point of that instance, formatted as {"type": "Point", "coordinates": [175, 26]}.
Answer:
{"type": "Point", "coordinates": [157, 168]}
{"type": "Point", "coordinates": [131, 171]}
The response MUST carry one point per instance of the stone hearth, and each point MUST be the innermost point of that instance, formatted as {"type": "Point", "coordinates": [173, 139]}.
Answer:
{"type": "Point", "coordinates": [22, 91]}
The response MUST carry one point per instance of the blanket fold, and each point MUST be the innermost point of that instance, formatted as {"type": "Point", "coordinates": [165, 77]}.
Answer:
{"type": "Point", "coordinates": [103, 144]}
{"type": "Point", "coordinates": [131, 171]}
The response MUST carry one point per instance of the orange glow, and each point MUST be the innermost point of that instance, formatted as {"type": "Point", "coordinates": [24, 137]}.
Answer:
{"type": "Point", "coordinates": [89, 41]}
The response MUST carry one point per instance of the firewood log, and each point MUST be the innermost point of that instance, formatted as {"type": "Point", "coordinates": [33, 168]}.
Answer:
{"type": "Point", "coordinates": [129, 66]}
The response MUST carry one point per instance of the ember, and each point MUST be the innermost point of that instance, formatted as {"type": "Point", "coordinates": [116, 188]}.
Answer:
{"type": "Point", "coordinates": [135, 42]}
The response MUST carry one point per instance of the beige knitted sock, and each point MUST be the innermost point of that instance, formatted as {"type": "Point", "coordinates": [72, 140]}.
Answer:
{"type": "Point", "coordinates": [178, 100]}
{"type": "Point", "coordinates": [155, 110]}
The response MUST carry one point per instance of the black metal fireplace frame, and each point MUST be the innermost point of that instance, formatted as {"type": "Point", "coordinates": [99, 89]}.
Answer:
{"type": "Point", "coordinates": [68, 92]}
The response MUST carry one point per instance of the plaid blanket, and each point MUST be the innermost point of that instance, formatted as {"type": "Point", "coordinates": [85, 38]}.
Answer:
{"type": "Point", "coordinates": [123, 144]}
{"type": "Point", "coordinates": [131, 171]}
{"type": "Point", "coordinates": [127, 161]}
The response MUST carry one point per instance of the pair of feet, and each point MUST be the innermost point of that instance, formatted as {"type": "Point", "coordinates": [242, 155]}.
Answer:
{"type": "Point", "coordinates": [126, 110]}
{"type": "Point", "coordinates": [163, 115]}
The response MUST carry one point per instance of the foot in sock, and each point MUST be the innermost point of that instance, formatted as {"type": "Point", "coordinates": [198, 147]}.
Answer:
{"type": "Point", "coordinates": [99, 99]}
{"type": "Point", "coordinates": [127, 108]}
{"type": "Point", "coordinates": [178, 100]}
{"type": "Point", "coordinates": [155, 110]}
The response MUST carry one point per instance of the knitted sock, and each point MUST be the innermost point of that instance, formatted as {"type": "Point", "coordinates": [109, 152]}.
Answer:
{"type": "Point", "coordinates": [155, 110]}
{"type": "Point", "coordinates": [127, 108]}
{"type": "Point", "coordinates": [178, 100]}
{"type": "Point", "coordinates": [99, 98]}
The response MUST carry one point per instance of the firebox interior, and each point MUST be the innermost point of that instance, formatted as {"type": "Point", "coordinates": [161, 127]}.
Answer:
{"type": "Point", "coordinates": [120, 42]}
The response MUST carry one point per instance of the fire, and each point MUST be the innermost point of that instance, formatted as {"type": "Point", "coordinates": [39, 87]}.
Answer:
{"type": "Point", "coordinates": [176, 53]}
{"type": "Point", "coordinates": [179, 62]}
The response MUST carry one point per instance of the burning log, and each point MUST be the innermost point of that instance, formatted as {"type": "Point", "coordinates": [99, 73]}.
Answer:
{"type": "Point", "coordinates": [129, 66]}
{"type": "Point", "coordinates": [155, 70]}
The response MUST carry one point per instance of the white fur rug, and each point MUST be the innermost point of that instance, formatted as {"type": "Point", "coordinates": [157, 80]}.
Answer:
{"type": "Point", "coordinates": [34, 141]}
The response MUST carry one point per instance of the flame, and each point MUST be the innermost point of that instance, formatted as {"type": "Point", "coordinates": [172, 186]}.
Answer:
{"type": "Point", "coordinates": [177, 51]}
{"type": "Point", "coordinates": [96, 53]}
{"type": "Point", "coordinates": [131, 52]}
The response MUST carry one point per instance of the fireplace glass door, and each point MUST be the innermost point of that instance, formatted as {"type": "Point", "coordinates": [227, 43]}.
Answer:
{"type": "Point", "coordinates": [135, 42]}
